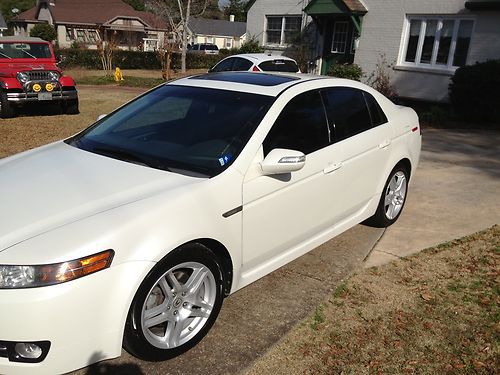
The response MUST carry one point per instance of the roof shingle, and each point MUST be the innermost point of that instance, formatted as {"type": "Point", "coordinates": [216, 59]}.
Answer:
{"type": "Point", "coordinates": [217, 27]}
{"type": "Point", "coordinates": [92, 12]}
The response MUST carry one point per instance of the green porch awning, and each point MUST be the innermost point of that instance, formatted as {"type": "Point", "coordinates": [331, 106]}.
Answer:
{"type": "Point", "coordinates": [325, 7]}
{"type": "Point", "coordinates": [353, 8]}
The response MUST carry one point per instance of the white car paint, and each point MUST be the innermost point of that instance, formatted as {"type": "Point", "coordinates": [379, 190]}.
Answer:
{"type": "Point", "coordinates": [60, 203]}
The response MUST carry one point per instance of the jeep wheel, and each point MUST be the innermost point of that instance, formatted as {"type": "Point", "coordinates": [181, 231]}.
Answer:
{"type": "Point", "coordinates": [70, 107]}
{"type": "Point", "coordinates": [6, 109]}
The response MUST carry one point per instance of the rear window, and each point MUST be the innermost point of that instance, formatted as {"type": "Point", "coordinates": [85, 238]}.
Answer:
{"type": "Point", "coordinates": [279, 65]}
{"type": "Point", "coordinates": [210, 47]}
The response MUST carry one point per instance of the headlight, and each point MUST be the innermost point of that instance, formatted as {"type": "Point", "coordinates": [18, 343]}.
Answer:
{"type": "Point", "coordinates": [23, 77]}
{"type": "Point", "coordinates": [54, 76]}
{"type": "Point", "coordinates": [15, 277]}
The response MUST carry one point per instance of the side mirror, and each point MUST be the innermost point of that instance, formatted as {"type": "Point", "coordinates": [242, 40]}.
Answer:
{"type": "Point", "coordinates": [101, 116]}
{"type": "Point", "coordinates": [281, 160]}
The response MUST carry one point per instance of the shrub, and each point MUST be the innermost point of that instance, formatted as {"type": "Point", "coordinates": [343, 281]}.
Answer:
{"type": "Point", "coordinates": [348, 71]}
{"type": "Point", "coordinates": [44, 31]}
{"type": "Point", "coordinates": [435, 115]}
{"type": "Point", "coordinates": [474, 91]}
{"type": "Point", "coordinates": [380, 78]}
{"type": "Point", "coordinates": [250, 46]}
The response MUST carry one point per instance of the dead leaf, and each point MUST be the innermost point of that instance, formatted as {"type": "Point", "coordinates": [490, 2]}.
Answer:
{"type": "Point", "coordinates": [479, 364]}
{"type": "Point", "coordinates": [427, 325]}
{"type": "Point", "coordinates": [426, 296]}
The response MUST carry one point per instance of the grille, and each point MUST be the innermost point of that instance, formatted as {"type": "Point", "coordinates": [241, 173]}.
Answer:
{"type": "Point", "coordinates": [38, 75]}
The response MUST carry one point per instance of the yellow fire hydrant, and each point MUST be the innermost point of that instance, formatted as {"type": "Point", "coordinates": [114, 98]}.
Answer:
{"type": "Point", "coordinates": [118, 75]}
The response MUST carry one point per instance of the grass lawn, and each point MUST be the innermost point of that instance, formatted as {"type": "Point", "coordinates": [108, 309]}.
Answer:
{"type": "Point", "coordinates": [132, 77]}
{"type": "Point", "coordinates": [30, 130]}
{"type": "Point", "coordinates": [433, 313]}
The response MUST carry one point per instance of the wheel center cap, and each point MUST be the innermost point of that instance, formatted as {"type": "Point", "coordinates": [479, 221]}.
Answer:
{"type": "Point", "coordinates": [177, 302]}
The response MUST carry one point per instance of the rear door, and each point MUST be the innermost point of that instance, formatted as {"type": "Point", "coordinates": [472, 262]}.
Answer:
{"type": "Point", "coordinates": [361, 128]}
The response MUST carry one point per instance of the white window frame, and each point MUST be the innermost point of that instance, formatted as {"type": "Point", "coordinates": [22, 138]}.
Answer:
{"type": "Point", "coordinates": [228, 43]}
{"type": "Point", "coordinates": [344, 24]}
{"type": "Point", "coordinates": [283, 22]}
{"type": "Point", "coordinates": [451, 54]}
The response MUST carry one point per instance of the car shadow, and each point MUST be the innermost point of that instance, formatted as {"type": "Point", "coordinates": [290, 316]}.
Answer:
{"type": "Point", "coordinates": [478, 149]}
{"type": "Point", "coordinates": [106, 367]}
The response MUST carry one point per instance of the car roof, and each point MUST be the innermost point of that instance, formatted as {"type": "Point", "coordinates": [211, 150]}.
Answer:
{"type": "Point", "coordinates": [270, 84]}
{"type": "Point", "coordinates": [260, 57]}
{"type": "Point", "coordinates": [6, 39]}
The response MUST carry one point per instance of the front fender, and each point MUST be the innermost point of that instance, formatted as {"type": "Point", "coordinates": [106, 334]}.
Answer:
{"type": "Point", "coordinates": [67, 81]}
{"type": "Point", "coordinates": [10, 83]}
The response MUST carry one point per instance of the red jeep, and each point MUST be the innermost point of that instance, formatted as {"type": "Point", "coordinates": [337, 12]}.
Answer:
{"type": "Point", "coordinates": [29, 74]}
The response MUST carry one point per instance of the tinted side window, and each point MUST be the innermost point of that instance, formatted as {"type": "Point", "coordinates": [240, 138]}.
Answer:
{"type": "Point", "coordinates": [348, 112]}
{"type": "Point", "coordinates": [377, 115]}
{"type": "Point", "coordinates": [301, 126]}
{"type": "Point", "coordinates": [241, 64]}
{"type": "Point", "coordinates": [224, 65]}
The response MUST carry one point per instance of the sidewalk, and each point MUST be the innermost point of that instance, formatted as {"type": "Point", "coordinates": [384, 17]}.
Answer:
{"type": "Point", "coordinates": [454, 192]}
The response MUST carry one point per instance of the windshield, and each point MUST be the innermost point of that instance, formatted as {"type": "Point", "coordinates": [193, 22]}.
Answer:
{"type": "Point", "coordinates": [190, 130]}
{"type": "Point", "coordinates": [25, 51]}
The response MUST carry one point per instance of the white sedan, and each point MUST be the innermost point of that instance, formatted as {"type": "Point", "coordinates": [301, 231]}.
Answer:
{"type": "Point", "coordinates": [133, 231]}
{"type": "Point", "coordinates": [256, 62]}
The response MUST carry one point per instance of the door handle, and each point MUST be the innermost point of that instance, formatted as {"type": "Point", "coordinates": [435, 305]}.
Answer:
{"type": "Point", "coordinates": [385, 143]}
{"type": "Point", "coordinates": [332, 167]}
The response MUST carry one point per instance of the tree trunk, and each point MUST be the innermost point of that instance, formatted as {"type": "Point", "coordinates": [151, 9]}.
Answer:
{"type": "Point", "coordinates": [184, 48]}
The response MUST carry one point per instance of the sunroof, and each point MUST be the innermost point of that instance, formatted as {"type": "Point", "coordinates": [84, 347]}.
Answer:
{"type": "Point", "coordinates": [259, 79]}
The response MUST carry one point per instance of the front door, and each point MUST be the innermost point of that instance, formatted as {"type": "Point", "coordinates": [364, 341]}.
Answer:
{"type": "Point", "coordinates": [282, 212]}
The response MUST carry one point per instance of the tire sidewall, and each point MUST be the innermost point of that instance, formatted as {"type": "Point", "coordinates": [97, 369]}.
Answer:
{"type": "Point", "coordinates": [134, 339]}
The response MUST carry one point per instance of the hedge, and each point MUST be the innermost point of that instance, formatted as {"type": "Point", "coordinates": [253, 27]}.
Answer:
{"type": "Point", "coordinates": [89, 59]}
{"type": "Point", "coordinates": [475, 91]}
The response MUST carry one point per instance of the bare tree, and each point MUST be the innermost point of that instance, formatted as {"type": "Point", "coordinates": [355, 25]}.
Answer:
{"type": "Point", "coordinates": [178, 13]}
{"type": "Point", "coordinates": [106, 44]}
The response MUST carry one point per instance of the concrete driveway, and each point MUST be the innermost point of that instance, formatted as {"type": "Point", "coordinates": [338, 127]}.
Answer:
{"type": "Point", "coordinates": [454, 193]}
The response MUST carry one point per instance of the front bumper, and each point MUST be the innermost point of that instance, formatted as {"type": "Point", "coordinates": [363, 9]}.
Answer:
{"type": "Point", "coordinates": [24, 97]}
{"type": "Point", "coordinates": [83, 319]}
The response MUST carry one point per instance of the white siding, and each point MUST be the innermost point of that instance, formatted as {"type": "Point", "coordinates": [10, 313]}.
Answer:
{"type": "Point", "coordinates": [382, 33]}
{"type": "Point", "coordinates": [256, 18]}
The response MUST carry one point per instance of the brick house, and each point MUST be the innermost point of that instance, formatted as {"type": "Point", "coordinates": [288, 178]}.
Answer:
{"type": "Point", "coordinates": [87, 22]}
{"type": "Point", "coordinates": [424, 40]}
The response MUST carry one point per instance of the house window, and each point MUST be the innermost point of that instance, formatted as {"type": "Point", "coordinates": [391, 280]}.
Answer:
{"type": "Point", "coordinates": [339, 39]}
{"type": "Point", "coordinates": [282, 29]}
{"type": "Point", "coordinates": [92, 36]}
{"type": "Point", "coordinates": [437, 42]}
{"type": "Point", "coordinates": [80, 36]}
{"type": "Point", "coordinates": [229, 43]}
{"type": "Point", "coordinates": [70, 35]}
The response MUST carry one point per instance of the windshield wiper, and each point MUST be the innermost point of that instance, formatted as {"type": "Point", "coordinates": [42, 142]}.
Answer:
{"type": "Point", "coordinates": [3, 54]}
{"type": "Point", "coordinates": [29, 54]}
{"type": "Point", "coordinates": [125, 156]}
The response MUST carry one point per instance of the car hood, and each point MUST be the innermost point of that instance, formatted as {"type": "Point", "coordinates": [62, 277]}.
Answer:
{"type": "Point", "coordinates": [58, 184]}
{"type": "Point", "coordinates": [11, 67]}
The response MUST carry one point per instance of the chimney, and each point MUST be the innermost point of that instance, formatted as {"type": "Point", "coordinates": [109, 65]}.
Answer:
{"type": "Point", "coordinates": [231, 18]}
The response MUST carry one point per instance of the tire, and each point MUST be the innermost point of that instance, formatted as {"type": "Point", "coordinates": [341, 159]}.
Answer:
{"type": "Point", "coordinates": [176, 305]}
{"type": "Point", "coordinates": [392, 200]}
{"type": "Point", "coordinates": [70, 107]}
{"type": "Point", "coordinates": [7, 110]}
